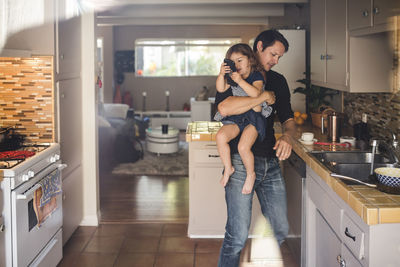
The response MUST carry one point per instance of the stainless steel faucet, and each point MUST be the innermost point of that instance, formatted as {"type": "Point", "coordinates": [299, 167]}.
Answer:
{"type": "Point", "coordinates": [392, 150]}
{"type": "Point", "coordinates": [374, 144]}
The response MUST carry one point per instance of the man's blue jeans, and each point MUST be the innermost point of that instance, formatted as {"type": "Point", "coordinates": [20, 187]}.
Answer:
{"type": "Point", "coordinates": [270, 189]}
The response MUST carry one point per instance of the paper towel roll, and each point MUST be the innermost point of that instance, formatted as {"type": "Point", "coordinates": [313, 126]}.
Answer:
{"type": "Point", "coordinates": [348, 139]}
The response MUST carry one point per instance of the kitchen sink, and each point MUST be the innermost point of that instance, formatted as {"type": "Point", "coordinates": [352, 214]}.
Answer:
{"type": "Point", "coordinates": [355, 164]}
{"type": "Point", "coordinates": [348, 157]}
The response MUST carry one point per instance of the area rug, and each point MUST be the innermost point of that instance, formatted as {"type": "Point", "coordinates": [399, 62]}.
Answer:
{"type": "Point", "coordinates": [158, 164]}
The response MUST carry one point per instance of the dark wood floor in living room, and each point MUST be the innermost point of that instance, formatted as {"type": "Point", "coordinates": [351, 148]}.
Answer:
{"type": "Point", "coordinates": [134, 199]}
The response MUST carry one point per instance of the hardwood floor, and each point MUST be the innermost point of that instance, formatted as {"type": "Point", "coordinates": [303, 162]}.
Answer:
{"type": "Point", "coordinates": [135, 199]}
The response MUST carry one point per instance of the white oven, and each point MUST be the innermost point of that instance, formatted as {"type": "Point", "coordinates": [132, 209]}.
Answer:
{"type": "Point", "coordinates": [32, 224]}
{"type": "Point", "coordinates": [2, 233]}
{"type": "Point", "coordinates": [31, 241]}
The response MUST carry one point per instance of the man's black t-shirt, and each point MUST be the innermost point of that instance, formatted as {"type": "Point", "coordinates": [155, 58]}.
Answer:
{"type": "Point", "coordinates": [282, 108]}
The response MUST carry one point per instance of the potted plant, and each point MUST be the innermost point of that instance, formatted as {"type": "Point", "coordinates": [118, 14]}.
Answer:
{"type": "Point", "coordinates": [316, 101]}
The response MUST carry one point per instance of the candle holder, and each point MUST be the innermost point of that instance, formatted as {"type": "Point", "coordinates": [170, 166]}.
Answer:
{"type": "Point", "coordinates": [167, 99]}
{"type": "Point", "coordinates": [144, 94]}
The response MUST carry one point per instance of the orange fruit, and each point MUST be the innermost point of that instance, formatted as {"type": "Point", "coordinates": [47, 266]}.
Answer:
{"type": "Point", "coordinates": [304, 116]}
{"type": "Point", "coordinates": [297, 114]}
{"type": "Point", "coordinates": [299, 120]}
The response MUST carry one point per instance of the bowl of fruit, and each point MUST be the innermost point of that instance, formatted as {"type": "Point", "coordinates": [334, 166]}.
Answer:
{"type": "Point", "coordinates": [299, 118]}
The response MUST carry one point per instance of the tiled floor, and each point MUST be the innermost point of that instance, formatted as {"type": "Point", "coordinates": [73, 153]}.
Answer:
{"type": "Point", "coordinates": [144, 223]}
{"type": "Point", "coordinates": [150, 245]}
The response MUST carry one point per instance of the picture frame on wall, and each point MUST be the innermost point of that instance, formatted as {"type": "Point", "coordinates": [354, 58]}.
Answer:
{"type": "Point", "coordinates": [124, 61]}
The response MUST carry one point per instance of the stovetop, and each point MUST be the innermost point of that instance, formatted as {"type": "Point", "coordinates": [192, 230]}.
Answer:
{"type": "Point", "coordinates": [20, 170]}
{"type": "Point", "coordinates": [11, 158]}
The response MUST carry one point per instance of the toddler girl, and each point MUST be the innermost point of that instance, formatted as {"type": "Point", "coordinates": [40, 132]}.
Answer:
{"type": "Point", "coordinates": [249, 82]}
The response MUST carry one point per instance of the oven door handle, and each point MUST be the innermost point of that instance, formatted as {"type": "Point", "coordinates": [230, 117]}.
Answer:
{"type": "Point", "coordinates": [62, 166]}
{"type": "Point", "coordinates": [29, 192]}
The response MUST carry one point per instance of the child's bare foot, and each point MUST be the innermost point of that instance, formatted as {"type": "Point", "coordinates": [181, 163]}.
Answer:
{"type": "Point", "coordinates": [248, 184]}
{"type": "Point", "coordinates": [227, 173]}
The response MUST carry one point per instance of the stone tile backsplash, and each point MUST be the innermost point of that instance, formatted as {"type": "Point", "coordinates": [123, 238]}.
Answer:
{"type": "Point", "coordinates": [383, 112]}
{"type": "Point", "coordinates": [27, 97]}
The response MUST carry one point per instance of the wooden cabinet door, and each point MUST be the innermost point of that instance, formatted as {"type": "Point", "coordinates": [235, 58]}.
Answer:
{"type": "Point", "coordinates": [318, 46]}
{"type": "Point", "coordinates": [359, 12]}
{"type": "Point", "coordinates": [328, 245]}
{"type": "Point", "coordinates": [336, 43]}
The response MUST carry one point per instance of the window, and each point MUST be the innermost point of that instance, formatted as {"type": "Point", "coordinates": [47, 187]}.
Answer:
{"type": "Point", "coordinates": [180, 57]}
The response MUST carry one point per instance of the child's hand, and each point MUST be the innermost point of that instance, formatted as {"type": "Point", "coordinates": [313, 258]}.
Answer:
{"type": "Point", "coordinates": [236, 77]}
{"type": "Point", "coordinates": [268, 97]}
{"type": "Point", "coordinates": [224, 69]}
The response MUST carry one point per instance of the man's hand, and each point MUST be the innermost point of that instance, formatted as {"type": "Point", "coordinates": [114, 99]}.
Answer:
{"type": "Point", "coordinates": [283, 147]}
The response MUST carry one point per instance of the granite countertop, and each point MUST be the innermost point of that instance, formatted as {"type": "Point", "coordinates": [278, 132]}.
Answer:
{"type": "Point", "coordinates": [372, 205]}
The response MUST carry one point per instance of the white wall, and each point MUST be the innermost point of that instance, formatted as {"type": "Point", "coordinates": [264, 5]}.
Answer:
{"type": "Point", "coordinates": [107, 34]}
{"type": "Point", "coordinates": [20, 31]}
{"type": "Point", "coordinates": [181, 88]}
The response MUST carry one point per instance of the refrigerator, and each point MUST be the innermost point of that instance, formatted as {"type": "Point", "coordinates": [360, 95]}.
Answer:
{"type": "Point", "coordinates": [292, 65]}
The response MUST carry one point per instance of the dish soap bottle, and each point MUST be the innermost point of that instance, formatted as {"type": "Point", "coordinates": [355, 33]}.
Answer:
{"type": "Point", "coordinates": [361, 132]}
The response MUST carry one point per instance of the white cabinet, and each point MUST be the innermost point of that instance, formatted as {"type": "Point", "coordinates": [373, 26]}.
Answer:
{"type": "Point", "coordinates": [336, 235]}
{"type": "Point", "coordinates": [369, 16]}
{"type": "Point", "coordinates": [328, 244]}
{"type": "Point", "coordinates": [207, 208]}
{"type": "Point", "coordinates": [28, 25]}
{"type": "Point", "coordinates": [68, 62]}
{"type": "Point", "coordinates": [328, 35]}
{"type": "Point", "coordinates": [72, 202]}
{"type": "Point", "coordinates": [69, 84]}
{"type": "Point", "coordinates": [200, 110]}
{"type": "Point", "coordinates": [177, 119]}
{"type": "Point", "coordinates": [70, 123]}
{"type": "Point", "coordinates": [2, 233]}
{"type": "Point", "coordinates": [342, 53]}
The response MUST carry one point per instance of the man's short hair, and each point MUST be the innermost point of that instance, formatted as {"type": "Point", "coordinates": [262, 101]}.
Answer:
{"type": "Point", "coordinates": [268, 38]}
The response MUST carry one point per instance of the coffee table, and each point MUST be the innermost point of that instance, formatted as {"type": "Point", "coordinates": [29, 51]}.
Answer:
{"type": "Point", "coordinates": [157, 142]}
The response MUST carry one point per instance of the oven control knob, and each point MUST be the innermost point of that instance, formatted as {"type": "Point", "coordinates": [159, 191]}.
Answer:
{"type": "Point", "coordinates": [25, 177]}
{"type": "Point", "coordinates": [53, 159]}
{"type": "Point", "coordinates": [31, 174]}
{"type": "Point", "coordinates": [57, 156]}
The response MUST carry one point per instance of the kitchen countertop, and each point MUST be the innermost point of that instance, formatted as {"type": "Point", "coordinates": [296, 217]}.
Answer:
{"type": "Point", "coordinates": [372, 205]}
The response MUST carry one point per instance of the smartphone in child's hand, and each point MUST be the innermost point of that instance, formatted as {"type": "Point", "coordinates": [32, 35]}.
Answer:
{"type": "Point", "coordinates": [231, 65]}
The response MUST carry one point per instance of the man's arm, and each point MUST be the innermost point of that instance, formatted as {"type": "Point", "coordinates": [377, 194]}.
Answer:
{"type": "Point", "coordinates": [234, 105]}
{"type": "Point", "coordinates": [283, 145]}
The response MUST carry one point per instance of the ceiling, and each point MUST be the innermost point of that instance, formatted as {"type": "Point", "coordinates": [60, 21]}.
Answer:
{"type": "Point", "coordinates": [186, 12]}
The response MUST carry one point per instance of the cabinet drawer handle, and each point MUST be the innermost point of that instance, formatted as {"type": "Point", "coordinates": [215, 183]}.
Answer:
{"type": "Point", "coordinates": [347, 233]}
{"type": "Point", "coordinates": [213, 156]}
{"type": "Point", "coordinates": [365, 13]}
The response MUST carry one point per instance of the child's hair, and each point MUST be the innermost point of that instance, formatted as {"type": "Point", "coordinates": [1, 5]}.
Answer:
{"type": "Point", "coordinates": [245, 50]}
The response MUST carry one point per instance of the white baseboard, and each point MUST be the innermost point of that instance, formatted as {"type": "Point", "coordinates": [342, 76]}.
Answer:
{"type": "Point", "coordinates": [90, 220]}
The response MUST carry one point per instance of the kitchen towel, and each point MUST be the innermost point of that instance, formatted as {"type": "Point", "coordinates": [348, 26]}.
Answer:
{"type": "Point", "coordinates": [45, 197]}
{"type": "Point", "coordinates": [51, 186]}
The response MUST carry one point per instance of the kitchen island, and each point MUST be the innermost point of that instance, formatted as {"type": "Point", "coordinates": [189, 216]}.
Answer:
{"type": "Point", "coordinates": [207, 208]}
{"type": "Point", "coordinates": [345, 223]}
